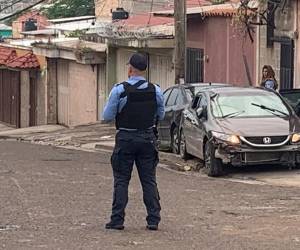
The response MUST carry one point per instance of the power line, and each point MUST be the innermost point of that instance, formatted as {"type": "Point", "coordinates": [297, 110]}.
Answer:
{"type": "Point", "coordinates": [21, 11]}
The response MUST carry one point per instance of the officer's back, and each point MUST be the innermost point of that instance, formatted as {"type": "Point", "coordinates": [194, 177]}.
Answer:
{"type": "Point", "coordinates": [135, 105]}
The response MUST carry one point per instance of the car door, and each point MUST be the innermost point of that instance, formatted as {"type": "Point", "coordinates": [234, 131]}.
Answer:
{"type": "Point", "coordinates": [165, 124]}
{"type": "Point", "coordinates": [199, 127]}
{"type": "Point", "coordinates": [190, 123]}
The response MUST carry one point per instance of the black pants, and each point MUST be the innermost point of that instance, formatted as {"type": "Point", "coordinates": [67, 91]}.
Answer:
{"type": "Point", "coordinates": [138, 147]}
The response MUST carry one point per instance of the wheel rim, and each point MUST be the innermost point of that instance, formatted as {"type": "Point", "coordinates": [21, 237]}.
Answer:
{"type": "Point", "coordinates": [182, 145]}
{"type": "Point", "coordinates": [207, 158]}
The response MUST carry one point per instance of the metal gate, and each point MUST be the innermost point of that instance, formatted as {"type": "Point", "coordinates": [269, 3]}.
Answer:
{"type": "Point", "coordinates": [194, 65]}
{"type": "Point", "coordinates": [10, 97]}
{"type": "Point", "coordinates": [287, 64]}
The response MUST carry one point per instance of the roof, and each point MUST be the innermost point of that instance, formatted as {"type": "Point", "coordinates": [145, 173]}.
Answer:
{"type": "Point", "coordinates": [5, 27]}
{"type": "Point", "coordinates": [39, 32]}
{"type": "Point", "coordinates": [74, 44]}
{"type": "Point", "coordinates": [9, 58]}
{"type": "Point", "coordinates": [146, 19]}
{"type": "Point", "coordinates": [227, 9]}
{"type": "Point", "coordinates": [71, 19]}
{"type": "Point", "coordinates": [28, 61]}
{"type": "Point", "coordinates": [6, 54]}
{"type": "Point", "coordinates": [72, 26]}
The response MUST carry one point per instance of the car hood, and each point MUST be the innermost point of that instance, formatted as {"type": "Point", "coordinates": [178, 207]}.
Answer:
{"type": "Point", "coordinates": [271, 126]}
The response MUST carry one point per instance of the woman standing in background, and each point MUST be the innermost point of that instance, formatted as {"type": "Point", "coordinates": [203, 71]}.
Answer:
{"type": "Point", "coordinates": [268, 78]}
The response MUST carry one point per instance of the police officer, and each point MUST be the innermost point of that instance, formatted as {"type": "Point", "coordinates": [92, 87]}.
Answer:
{"type": "Point", "coordinates": [135, 105]}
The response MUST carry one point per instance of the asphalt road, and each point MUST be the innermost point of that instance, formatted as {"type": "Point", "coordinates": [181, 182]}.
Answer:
{"type": "Point", "coordinates": [53, 198]}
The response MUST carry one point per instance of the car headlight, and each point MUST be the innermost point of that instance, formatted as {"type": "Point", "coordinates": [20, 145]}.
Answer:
{"type": "Point", "coordinates": [232, 139]}
{"type": "Point", "coordinates": [296, 138]}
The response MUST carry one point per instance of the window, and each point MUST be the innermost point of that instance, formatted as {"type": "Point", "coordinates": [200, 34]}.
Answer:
{"type": "Point", "coordinates": [197, 99]}
{"type": "Point", "coordinates": [173, 96]}
{"type": "Point", "coordinates": [195, 65]}
{"type": "Point", "coordinates": [166, 95]}
{"type": "Point", "coordinates": [180, 100]}
{"type": "Point", "coordinates": [203, 102]}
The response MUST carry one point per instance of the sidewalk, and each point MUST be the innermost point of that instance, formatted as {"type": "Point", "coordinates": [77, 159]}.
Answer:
{"type": "Point", "coordinates": [4, 127]}
{"type": "Point", "coordinates": [86, 137]}
{"type": "Point", "coordinates": [92, 138]}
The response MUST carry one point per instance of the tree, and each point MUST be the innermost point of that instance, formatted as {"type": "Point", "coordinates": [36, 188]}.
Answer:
{"type": "Point", "coordinates": [69, 8]}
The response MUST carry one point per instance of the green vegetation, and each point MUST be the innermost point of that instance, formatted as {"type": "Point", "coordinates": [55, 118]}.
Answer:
{"type": "Point", "coordinates": [69, 8]}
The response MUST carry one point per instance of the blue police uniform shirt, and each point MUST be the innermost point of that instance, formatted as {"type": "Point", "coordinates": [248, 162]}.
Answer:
{"type": "Point", "coordinates": [115, 104]}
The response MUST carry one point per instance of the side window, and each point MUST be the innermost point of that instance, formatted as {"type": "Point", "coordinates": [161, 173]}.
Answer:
{"type": "Point", "coordinates": [189, 95]}
{"type": "Point", "coordinates": [166, 95]}
{"type": "Point", "coordinates": [180, 100]}
{"type": "Point", "coordinates": [172, 99]}
{"type": "Point", "coordinates": [196, 100]}
{"type": "Point", "coordinates": [203, 102]}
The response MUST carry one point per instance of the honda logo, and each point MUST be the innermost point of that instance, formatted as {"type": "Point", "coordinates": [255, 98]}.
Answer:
{"type": "Point", "coordinates": [267, 140]}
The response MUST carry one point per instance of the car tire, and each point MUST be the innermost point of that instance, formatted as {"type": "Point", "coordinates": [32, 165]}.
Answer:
{"type": "Point", "coordinates": [175, 141]}
{"type": "Point", "coordinates": [182, 145]}
{"type": "Point", "coordinates": [213, 167]}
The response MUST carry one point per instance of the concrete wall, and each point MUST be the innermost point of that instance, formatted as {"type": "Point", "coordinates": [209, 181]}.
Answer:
{"type": "Point", "coordinates": [161, 66]}
{"type": "Point", "coordinates": [297, 45]}
{"type": "Point", "coordinates": [25, 88]}
{"type": "Point", "coordinates": [51, 90]}
{"type": "Point", "coordinates": [223, 50]}
{"type": "Point", "coordinates": [41, 111]}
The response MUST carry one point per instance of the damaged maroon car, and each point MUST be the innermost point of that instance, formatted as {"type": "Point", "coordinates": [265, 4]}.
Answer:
{"type": "Point", "coordinates": [240, 126]}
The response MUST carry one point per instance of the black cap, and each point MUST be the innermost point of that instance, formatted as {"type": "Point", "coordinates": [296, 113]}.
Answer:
{"type": "Point", "coordinates": [138, 61]}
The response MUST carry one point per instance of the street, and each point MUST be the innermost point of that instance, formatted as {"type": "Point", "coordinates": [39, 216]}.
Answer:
{"type": "Point", "coordinates": [54, 198]}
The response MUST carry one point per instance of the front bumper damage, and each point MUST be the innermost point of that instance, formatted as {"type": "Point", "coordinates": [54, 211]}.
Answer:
{"type": "Point", "coordinates": [246, 155]}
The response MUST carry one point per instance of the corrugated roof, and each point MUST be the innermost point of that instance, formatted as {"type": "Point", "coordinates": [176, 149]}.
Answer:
{"type": "Point", "coordinates": [28, 61]}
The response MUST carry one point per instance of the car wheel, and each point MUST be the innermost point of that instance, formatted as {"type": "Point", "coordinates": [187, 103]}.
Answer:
{"type": "Point", "coordinates": [175, 141]}
{"type": "Point", "coordinates": [213, 167]}
{"type": "Point", "coordinates": [183, 153]}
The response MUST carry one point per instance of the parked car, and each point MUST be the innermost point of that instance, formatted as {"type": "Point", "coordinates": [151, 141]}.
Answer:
{"type": "Point", "coordinates": [292, 96]}
{"type": "Point", "coordinates": [240, 126]}
{"type": "Point", "coordinates": [177, 98]}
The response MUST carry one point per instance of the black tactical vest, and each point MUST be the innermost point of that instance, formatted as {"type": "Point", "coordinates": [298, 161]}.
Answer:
{"type": "Point", "coordinates": [140, 108]}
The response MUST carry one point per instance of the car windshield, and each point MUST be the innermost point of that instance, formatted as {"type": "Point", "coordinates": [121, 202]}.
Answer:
{"type": "Point", "coordinates": [248, 104]}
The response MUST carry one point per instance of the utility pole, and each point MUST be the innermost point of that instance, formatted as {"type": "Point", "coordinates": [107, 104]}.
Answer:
{"type": "Point", "coordinates": [180, 40]}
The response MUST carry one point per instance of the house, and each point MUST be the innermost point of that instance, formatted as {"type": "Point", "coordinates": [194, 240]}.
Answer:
{"type": "Point", "coordinates": [29, 21]}
{"type": "Point", "coordinates": [22, 88]}
{"type": "Point", "coordinates": [64, 27]}
{"type": "Point", "coordinates": [5, 31]}
{"type": "Point", "coordinates": [141, 32]}
{"type": "Point", "coordinates": [76, 80]}
{"type": "Point", "coordinates": [216, 52]}
{"type": "Point", "coordinates": [104, 8]}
